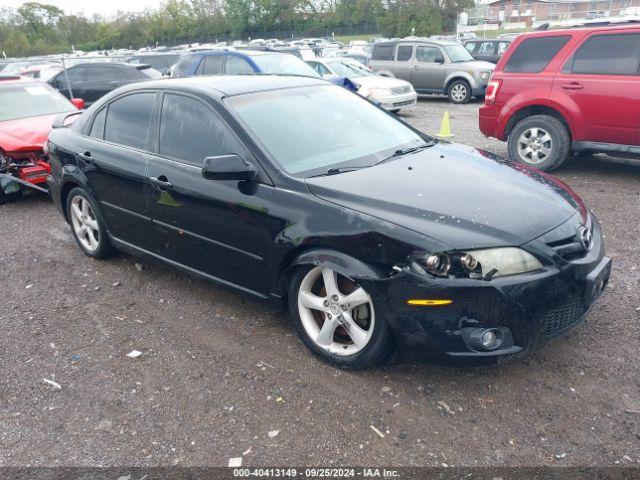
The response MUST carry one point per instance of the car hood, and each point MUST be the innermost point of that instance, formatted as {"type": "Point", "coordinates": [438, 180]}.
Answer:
{"type": "Point", "coordinates": [25, 133]}
{"type": "Point", "coordinates": [473, 65]}
{"type": "Point", "coordinates": [457, 195]}
{"type": "Point", "coordinates": [380, 82]}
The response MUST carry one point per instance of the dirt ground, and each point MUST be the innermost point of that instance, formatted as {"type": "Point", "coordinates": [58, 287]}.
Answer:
{"type": "Point", "coordinates": [219, 370]}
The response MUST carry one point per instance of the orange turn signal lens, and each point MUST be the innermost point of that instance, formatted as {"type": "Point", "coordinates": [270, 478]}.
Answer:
{"type": "Point", "coordinates": [428, 302]}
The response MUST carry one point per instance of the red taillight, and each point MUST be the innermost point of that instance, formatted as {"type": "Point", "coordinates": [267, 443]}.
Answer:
{"type": "Point", "coordinates": [492, 90]}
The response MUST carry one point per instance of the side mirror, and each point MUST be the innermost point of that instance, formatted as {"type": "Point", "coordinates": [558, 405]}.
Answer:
{"type": "Point", "coordinates": [227, 167]}
{"type": "Point", "coordinates": [78, 103]}
{"type": "Point", "coordinates": [439, 60]}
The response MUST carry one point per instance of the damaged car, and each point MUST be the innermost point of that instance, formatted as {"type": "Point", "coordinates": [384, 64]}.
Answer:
{"type": "Point", "coordinates": [376, 237]}
{"type": "Point", "coordinates": [27, 110]}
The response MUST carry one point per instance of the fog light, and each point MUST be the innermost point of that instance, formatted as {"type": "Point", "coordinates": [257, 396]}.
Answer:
{"type": "Point", "coordinates": [489, 339]}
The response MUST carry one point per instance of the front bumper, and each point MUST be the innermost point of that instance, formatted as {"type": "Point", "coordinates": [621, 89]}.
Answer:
{"type": "Point", "coordinates": [536, 308]}
{"type": "Point", "coordinates": [396, 102]}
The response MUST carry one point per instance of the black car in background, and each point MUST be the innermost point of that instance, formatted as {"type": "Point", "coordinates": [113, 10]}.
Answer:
{"type": "Point", "coordinates": [91, 81]}
{"type": "Point", "coordinates": [376, 237]}
{"type": "Point", "coordinates": [160, 62]}
{"type": "Point", "coordinates": [487, 49]}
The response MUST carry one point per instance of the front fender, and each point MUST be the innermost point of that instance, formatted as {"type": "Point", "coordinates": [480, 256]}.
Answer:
{"type": "Point", "coordinates": [339, 262]}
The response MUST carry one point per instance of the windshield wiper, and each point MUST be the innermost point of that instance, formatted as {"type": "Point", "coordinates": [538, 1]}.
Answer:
{"type": "Point", "coordinates": [337, 170]}
{"type": "Point", "coordinates": [406, 151]}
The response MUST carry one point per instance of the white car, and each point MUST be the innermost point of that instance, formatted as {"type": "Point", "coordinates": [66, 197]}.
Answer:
{"type": "Point", "coordinates": [391, 93]}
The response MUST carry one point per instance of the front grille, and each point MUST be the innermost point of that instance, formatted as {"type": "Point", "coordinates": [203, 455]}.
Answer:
{"type": "Point", "coordinates": [561, 319]}
{"type": "Point", "coordinates": [568, 248]}
{"type": "Point", "coordinates": [401, 90]}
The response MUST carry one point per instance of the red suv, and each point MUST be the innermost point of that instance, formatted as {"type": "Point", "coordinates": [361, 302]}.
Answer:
{"type": "Point", "coordinates": [560, 91]}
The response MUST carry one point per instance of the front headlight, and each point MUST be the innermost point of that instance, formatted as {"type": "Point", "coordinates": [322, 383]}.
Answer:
{"type": "Point", "coordinates": [479, 264]}
{"type": "Point", "coordinates": [485, 75]}
{"type": "Point", "coordinates": [381, 92]}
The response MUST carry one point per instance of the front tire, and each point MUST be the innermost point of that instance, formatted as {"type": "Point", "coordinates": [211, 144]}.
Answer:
{"type": "Point", "coordinates": [540, 141]}
{"type": "Point", "coordinates": [87, 225]}
{"type": "Point", "coordinates": [337, 320]}
{"type": "Point", "coordinates": [459, 92]}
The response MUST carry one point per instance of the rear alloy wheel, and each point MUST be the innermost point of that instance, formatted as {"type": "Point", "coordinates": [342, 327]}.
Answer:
{"type": "Point", "coordinates": [87, 227]}
{"type": "Point", "coordinates": [540, 141]}
{"type": "Point", "coordinates": [336, 319]}
{"type": "Point", "coordinates": [459, 91]}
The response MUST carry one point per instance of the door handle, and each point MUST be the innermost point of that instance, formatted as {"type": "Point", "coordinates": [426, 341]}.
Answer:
{"type": "Point", "coordinates": [161, 182]}
{"type": "Point", "coordinates": [572, 86]}
{"type": "Point", "coordinates": [86, 158]}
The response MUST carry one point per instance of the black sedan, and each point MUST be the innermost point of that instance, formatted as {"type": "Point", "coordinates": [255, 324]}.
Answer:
{"type": "Point", "coordinates": [377, 238]}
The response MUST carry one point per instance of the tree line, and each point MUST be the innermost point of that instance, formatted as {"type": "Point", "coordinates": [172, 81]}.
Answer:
{"type": "Point", "coordinates": [38, 28]}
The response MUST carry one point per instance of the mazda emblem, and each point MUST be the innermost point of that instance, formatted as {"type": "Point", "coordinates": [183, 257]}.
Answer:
{"type": "Point", "coordinates": [585, 237]}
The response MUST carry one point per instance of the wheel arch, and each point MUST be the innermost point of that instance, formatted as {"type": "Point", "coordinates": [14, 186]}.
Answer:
{"type": "Point", "coordinates": [340, 262]}
{"type": "Point", "coordinates": [458, 76]}
{"type": "Point", "coordinates": [537, 109]}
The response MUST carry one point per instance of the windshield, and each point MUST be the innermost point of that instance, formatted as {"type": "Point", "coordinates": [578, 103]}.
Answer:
{"type": "Point", "coordinates": [31, 100]}
{"type": "Point", "coordinates": [309, 130]}
{"type": "Point", "coordinates": [457, 53]}
{"type": "Point", "coordinates": [350, 69]}
{"type": "Point", "coordinates": [283, 64]}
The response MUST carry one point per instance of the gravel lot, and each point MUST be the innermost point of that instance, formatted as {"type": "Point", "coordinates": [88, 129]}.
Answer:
{"type": "Point", "coordinates": [219, 370]}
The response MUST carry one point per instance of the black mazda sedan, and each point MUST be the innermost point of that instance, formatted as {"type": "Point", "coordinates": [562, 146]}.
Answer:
{"type": "Point", "coordinates": [377, 238]}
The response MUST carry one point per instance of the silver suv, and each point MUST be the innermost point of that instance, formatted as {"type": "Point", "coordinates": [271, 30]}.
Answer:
{"type": "Point", "coordinates": [433, 66]}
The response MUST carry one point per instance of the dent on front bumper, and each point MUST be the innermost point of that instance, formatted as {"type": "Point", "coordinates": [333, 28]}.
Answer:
{"type": "Point", "coordinates": [536, 307]}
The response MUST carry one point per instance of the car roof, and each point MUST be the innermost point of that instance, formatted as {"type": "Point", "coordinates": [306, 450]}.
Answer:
{"type": "Point", "coordinates": [583, 29]}
{"type": "Point", "coordinates": [228, 85]}
{"type": "Point", "coordinates": [249, 53]}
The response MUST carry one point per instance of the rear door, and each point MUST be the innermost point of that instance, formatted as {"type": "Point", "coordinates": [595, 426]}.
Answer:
{"type": "Point", "coordinates": [600, 82]}
{"type": "Point", "coordinates": [113, 157]}
{"type": "Point", "coordinates": [403, 64]}
{"type": "Point", "coordinates": [216, 227]}
{"type": "Point", "coordinates": [428, 68]}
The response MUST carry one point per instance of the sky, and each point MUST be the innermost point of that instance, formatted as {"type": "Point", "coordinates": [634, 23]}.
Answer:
{"type": "Point", "coordinates": [90, 7]}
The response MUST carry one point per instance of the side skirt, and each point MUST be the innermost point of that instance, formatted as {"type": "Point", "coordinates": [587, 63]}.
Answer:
{"type": "Point", "coordinates": [605, 147]}
{"type": "Point", "coordinates": [134, 250]}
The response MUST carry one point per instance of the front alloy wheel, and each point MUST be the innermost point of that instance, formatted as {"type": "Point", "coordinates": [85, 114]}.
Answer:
{"type": "Point", "coordinates": [336, 319]}
{"type": "Point", "coordinates": [535, 145]}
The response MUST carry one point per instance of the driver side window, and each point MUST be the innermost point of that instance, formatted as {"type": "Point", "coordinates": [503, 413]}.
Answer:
{"type": "Point", "coordinates": [429, 55]}
{"type": "Point", "coordinates": [190, 131]}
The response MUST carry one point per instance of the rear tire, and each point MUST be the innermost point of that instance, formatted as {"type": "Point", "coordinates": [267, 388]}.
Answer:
{"type": "Point", "coordinates": [459, 92]}
{"type": "Point", "coordinates": [87, 225]}
{"type": "Point", "coordinates": [328, 323]}
{"type": "Point", "coordinates": [540, 141]}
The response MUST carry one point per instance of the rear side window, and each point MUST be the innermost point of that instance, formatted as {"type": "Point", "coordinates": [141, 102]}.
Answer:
{"type": "Point", "coordinates": [608, 55]}
{"type": "Point", "coordinates": [534, 54]}
{"type": "Point", "coordinates": [382, 52]}
{"type": "Point", "coordinates": [404, 53]}
{"type": "Point", "coordinates": [131, 73]}
{"type": "Point", "coordinates": [213, 65]}
{"type": "Point", "coordinates": [128, 120]}
{"type": "Point", "coordinates": [190, 131]}
{"type": "Point", "coordinates": [238, 66]}
{"type": "Point", "coordinates": [101, 74]}
{"type": "Point", "coordinates": [97, 128]}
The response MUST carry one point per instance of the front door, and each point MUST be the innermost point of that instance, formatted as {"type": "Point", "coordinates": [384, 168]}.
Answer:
{"type": "Point", "coordinates": [428, 69]}
{"type": "Point", "coordinates": [113, 157]}
{"type": "Point", "coordinates": [216, 227]}
{"type": "Point", "coordinates": [600, 84]}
